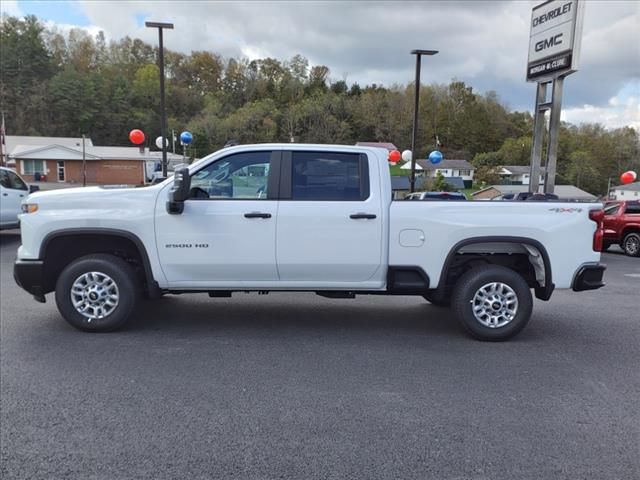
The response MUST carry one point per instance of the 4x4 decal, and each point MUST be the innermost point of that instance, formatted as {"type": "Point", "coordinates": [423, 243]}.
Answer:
{"type": "Point", "coordinates": [565, 210]}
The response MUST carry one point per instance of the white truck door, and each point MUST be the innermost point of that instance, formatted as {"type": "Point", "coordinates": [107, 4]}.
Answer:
{"type": "Point", "coordinates": [13, 191]}
{"type": "Point", "coordinates": [330, 221]}
{"type": "Point", "coordinates": [226, 234]}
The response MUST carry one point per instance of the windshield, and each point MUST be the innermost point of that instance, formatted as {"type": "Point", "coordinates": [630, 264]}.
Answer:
{"type": "Point", "coordinates": [612, 209]}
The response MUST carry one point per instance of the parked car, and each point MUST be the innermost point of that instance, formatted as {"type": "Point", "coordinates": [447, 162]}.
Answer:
{"type": "Point", "coordinates": [435, 196]}
{"type": "Point", "coordinates": [325, 223]}
{"type": "Point", "coordinates": [13, 189]}
{"type": "Point", "coordinates": [528, 197]}
{"type": "Point", "coordinates": [622, 226]}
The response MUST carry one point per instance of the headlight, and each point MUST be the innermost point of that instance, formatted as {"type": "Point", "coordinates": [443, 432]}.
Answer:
{"type": "Point", "coordinates": [29, 207]}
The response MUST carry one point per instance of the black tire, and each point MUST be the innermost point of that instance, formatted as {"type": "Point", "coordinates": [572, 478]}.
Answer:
{"type": "Point", "coordinates": [436, 301]}
{"type": "Point", "coordinates": [121, 274]}
{"type": "Point", "coordinates": [471, 282]}
{"type": "Point", "coordinates": [631, 244]}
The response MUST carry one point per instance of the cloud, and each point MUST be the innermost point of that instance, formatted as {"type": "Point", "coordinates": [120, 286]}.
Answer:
{"type": "Point", "coordinates": [617, 113]}
{"type": "Point", "coordinates": [10, 8]}
{"type": "Point", "coordinates": [482, 43]}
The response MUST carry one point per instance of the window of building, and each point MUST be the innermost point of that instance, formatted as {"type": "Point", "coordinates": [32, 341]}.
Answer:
{"type": "Point", "coordinates": [33, 166]}
{"type": "Point", "coordinates": [465, 173]}
{"type": "Point", "coordinates": [329, 176]}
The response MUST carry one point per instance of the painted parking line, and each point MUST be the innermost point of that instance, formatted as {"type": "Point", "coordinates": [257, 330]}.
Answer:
{"type": "Point", "coordinates": [632, 275]}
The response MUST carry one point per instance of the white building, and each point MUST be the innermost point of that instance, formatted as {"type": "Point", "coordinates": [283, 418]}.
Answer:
{"type": "Point", "coordinates": [625, 192]}
{"type": "Point", "coordinates": [448, 168]}
{"type": "Point", "coordinates": [12, 141]}
{"type": "Point", "coordinates": [519, 175]}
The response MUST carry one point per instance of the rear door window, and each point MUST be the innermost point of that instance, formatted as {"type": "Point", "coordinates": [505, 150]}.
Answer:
{"type": "Point", "coordinates": [327, 176]}
{"type": "Point", "coordinates": [633, 209]}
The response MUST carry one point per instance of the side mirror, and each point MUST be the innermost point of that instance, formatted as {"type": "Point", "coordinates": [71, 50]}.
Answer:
{"type": "Point", "coordinates": [34, 188]}
{"type": "Point", "coordinates": [179, 192]}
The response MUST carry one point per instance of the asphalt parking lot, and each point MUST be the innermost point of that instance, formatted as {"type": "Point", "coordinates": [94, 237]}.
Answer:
{"type": "Point", "coordinates": [298, 386]}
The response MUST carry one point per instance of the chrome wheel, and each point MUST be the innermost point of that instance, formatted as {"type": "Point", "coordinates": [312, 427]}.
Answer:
{"type": "Point", "coordinates": [94, 295]}
{"type": "Point", "coordinates": [632, 245]}
{"type": "Point", "coordinates": [495, 304]}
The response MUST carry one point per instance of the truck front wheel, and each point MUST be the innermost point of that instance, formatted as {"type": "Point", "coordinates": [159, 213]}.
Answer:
{"type": "Point", "coordinates": [492, 302]}
{"type": "Point", "coordinates": [97, 293]}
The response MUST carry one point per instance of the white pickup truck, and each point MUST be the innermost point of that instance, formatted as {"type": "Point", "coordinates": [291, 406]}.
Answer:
{"type": "Point", "coordinates": [289, 217]}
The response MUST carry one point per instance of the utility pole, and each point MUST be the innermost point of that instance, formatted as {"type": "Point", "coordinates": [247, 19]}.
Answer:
{"type": "Point", "coordinates": [163, 114]}
{"type": "Point", "coordinates": [416, 103]}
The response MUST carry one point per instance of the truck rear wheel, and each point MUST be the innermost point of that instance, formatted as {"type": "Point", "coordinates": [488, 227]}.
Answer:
{"type": "Point", "coordinates": [631, 244]}
{"type": "Point", "coordinates": [493, 303]}
{"type": "Point", "coordinates": [97, 293]}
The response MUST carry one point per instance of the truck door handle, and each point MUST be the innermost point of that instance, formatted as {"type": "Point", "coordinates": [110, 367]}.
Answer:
{"type": "Point", "coordinates": [358, 216]}
{"type": "Point", "coordinates": [257, 215]}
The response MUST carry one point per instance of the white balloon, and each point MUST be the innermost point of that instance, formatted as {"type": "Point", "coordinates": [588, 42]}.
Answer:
{"type": "Point", "coordinates": [406, 155]}
{"type": "Point", "coordinates": [159, 142]}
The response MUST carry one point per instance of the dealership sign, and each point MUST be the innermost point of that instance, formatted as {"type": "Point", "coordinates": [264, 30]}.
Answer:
{"type": "Point", "coordinates": [554, 41]}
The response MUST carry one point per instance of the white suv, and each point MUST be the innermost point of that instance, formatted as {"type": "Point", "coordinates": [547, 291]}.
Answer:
{"type": "Point", "coordinates": [13, 190]}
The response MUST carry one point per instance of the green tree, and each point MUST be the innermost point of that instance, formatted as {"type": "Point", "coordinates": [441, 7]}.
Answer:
{"type": "Point", "coordinates": [439, 183]}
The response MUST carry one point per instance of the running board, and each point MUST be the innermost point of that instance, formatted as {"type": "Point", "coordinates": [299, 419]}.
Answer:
{"type": "Point", "coordinates": [336, 294]}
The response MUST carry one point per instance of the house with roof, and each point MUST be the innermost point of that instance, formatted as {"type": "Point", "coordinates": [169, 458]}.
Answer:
{"type": "Point", "coordinates": [564, 192]}
{"type": "Point", "coordinates": [450, 169]}
{"type": "Point", "coordinates": [518, 175]}
{"type": "Point", "coordinates": [630, 191]}
{"type": "Point", "coordinates": [12, 141]}
{"type": "Point", "coordinates": [52, 159]}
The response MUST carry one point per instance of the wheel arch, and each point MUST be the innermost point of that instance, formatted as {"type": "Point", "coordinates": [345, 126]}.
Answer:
{"type": "Point", "coordinates": [498, 245]}
{"type": "Point", "coordinates": [93, 240]}
{"type": "Point", "coordinates": [633, 228]}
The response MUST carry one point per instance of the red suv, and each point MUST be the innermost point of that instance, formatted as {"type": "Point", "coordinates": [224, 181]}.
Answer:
{"type": "Point", "coordinates": [622, 226]}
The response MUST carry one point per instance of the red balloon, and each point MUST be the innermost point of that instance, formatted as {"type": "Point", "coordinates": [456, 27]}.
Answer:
{"type": "Point", "coordinates": [136, 136]}
{"type": "Point", "coordinates": [628, 177]}
{"type": "Point", "coordinates": [394, 156]}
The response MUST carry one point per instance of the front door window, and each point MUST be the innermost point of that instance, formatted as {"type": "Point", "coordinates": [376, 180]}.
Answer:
{"type": "Point", "coordinates": [242, 176]}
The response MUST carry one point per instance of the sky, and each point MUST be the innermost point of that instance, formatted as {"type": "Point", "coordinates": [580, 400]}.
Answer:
{"type": "Point", "coordinates": [483, 43]}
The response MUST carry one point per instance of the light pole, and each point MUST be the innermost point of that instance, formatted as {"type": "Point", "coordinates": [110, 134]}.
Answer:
{"type": "Point", "coordinates": [418, 54]}
{"type": "Point", "coordinates": [163, 114]}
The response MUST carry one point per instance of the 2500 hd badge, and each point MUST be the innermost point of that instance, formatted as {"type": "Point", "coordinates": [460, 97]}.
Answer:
{"type": "Point", "coordinates": [186, 245]}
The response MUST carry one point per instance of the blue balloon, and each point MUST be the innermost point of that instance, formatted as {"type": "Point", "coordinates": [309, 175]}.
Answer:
{"type": "Point", "coordinates": [186, 138]}
{"type": "Point", "coordinates": [435, 157]}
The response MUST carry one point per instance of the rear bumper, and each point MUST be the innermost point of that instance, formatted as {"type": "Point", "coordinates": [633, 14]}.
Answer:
{"type": "Point", "coordinates": [589, 277]}
{"type": "Point", "coordinates": [29, 274]}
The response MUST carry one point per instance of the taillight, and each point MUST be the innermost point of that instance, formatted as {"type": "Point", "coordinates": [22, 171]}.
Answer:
{"type": "Point", "coordinates": [598, 236]}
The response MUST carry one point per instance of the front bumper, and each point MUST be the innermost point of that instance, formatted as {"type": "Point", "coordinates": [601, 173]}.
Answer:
{"type": "Point", "coordinates": [589, 277]}
{"type": "Point", "coordinates": [29, 274]}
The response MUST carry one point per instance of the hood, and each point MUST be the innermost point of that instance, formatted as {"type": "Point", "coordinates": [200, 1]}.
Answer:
{"type": "Point", "coordinates": [76, 197]}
